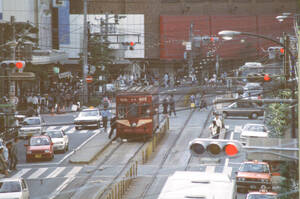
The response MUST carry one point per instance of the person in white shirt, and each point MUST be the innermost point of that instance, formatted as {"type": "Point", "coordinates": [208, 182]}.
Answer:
{"type": "Point", "coordinates": [213, 129]}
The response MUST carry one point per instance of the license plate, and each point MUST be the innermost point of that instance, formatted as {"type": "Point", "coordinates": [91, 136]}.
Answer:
{"type": "Point", "coordinates": [252, 187]}
{"type": "Point", "coordinates": [38, 156]}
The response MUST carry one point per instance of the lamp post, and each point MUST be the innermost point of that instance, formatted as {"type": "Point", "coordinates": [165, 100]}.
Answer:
{"type": "Point", "coordinates": [228, 34]}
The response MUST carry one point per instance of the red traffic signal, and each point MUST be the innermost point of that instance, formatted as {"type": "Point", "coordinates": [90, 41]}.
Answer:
{"type": "Point", "coordinates": [13, 64]}
{"type": "Point", "coordinates": [131, 43]}
{"type": "Point", "coordinates": [215, 148]}
{"type": "Point", "coordinates": [282, 50]}
{"type": "Point", "coordinates": [267, 78]}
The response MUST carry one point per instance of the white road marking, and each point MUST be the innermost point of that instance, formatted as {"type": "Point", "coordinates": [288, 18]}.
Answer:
{"type": "Point", "coordinates": [82, 144]}
{"type": "Point", "coordinates": [51, 128]}
{"type": "Point", "coordinates": [21, 173]}
{"type": "Point", "coordinates": [73, 172]}
{"type": "Point", "coordinates": [210, 169]}
{"type": "Point", "coordinates": [61, 187]}
{"type": "Point", "coordinates": [37, 173]}
{"type": "Point", "coordinates": [56, 172]}
{"type": "Point", "coordinates": [83, 131]}
{"type": "Point", "coordinates": [72, 130]}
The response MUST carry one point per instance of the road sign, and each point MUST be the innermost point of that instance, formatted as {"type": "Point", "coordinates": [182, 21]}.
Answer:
{"type": "Point", "coordinates": [89, 79]}
{"type": "Point", "coordinates": [188, 46]}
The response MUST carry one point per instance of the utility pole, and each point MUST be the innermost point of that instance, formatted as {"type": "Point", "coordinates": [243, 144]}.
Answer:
{"type": "Point", "coordinates": [190, 62]}
{"type": "Point", "coordinates": [85, 55]}
{"type": "Point", "coordinates": [11, 84]}
{"type": "Point", "coordinates": [298, 97]}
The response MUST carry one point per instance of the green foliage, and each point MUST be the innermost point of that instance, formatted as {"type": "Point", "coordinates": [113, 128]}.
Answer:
{"type": "Point", "coordinates": [278, 115]}
{"type": "Point", "coordinates": [289, 171]}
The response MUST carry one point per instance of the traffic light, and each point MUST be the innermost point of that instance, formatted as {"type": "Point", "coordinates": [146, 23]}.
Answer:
{"type": "Point", "coordinates": [215, 147]}
{"type": "Point", "coordinates": [12, 64]}
{"type": "Point", "coordinates": [130, 44]}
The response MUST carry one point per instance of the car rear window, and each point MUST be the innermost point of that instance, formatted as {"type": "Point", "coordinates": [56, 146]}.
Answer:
{"type": "Point", "coordinates": [260, 196]}
{"type": "Point", "coordinates": [31, 121]}
{"type": "Point", "coordinates": [256, 168]}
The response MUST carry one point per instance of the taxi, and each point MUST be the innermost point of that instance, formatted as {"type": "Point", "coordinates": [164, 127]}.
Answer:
{"type": "Point", "coordinates": [261, 194]}
{"type": "Point", "coordinates": [252, 175]}
{"type": "Point", "coordinates": [39, 147]}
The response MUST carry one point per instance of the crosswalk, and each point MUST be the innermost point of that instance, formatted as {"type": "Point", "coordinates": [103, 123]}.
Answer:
{"type": "Point", "coordinates": [72, 130]}
{"type": "Point", "coordinates": [47, 172]}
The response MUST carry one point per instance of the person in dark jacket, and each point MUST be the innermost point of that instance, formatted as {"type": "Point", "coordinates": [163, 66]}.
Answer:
{"type": "Point", "coordinates": [113, 126]}
{"type": "Point", "coordinates": [172, 105]}
{"type": "Point", "coordinates": [165, 106]}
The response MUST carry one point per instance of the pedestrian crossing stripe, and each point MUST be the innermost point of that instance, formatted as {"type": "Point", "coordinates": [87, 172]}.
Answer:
{"type": "Point", "coordinates": [71, 129]}
{"type": "Point", "coordinates": [47, 172]}
{"type": "Point", "coordinates": [238, 128]}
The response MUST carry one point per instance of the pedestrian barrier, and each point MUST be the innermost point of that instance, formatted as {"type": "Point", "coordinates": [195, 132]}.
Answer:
{"type": "Point", "coordinates": [118, 190]}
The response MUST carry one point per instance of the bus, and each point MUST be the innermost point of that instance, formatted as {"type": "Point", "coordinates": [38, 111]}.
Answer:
{"type": "Point", "coordinates": [194, 184]}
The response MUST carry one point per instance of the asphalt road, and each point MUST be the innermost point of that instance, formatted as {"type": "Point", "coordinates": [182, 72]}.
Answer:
{"type": "Point", "coordinates": [44, 177]}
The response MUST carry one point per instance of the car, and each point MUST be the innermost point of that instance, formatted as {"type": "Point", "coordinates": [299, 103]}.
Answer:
{"type": "Point", "coordinates": [59, 138]}
{"type": "Point", "coordinates": [88, 117]}
{"type": "Point", "coordinates": [254, 130]}
{"type": "Point", "coordinates": [252, 90]}
{"type": "Point", "coordinates": [261, 195]}
{"type": "Point", "coordinates": [252, 175]}
{"type": "Point", "coordinates": [245, 109]}
{"type": "Point", "coordinates": [31, 126]}
{"type": "Point", "coordinates": [14, 188]}
{"type": "Point", "coordinates": [39, 147]}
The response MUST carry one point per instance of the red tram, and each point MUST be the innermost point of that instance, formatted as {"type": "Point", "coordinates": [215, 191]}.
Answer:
{"type": "Point", "coordinates": [137, 111]}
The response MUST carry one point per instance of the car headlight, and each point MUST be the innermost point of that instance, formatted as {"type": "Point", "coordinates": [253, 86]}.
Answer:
{"type": "Point", "coordinates": [47, 151]}
{"type": "Point", "coordinates": [29, 152]}
{"type": "Point", "coordinates": [133, 124]}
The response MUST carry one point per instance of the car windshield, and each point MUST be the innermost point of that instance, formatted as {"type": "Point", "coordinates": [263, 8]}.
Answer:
{"type": "Point", "coordinates": [54, 134]}
{"type": "Point", "coordinates": [260, 196]}
{"type": "Point", "coordinates": [32, 121]}
{"type": "Point", "coordinates": [39, 141]}
{"type": "Point", "coordinates": [257, 168]}
{"type": "Point", "coordinates": [255, 128]}
{"type": "Point", "coordinates": [10, 186]}
{"type": "Point", "coordinates": [88, 113]}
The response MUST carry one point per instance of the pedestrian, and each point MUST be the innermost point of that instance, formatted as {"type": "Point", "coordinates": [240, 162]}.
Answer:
{"type": "Point", "coordinates": [165, 106]}
{"type": "Point", "coordinates": [192, 101]}
{"type": "Point", "coordinates": [203, 104]}
{"type": "Point", "coordinates": [213, 130]}
{"type": "Point", "coordinates": [9, 159]}
{"type": "Point", "coordinates": [113, 126]}
{"type": "Point", "coordinates": [35, 102]}
{"type": "Point", "coordinates": [14, 154]}
{"type": "Point", "coordinates": [219, 124]}
{"type": "Point", "coordinates": [3, 163]}
{"type": "Point", "coordinates": [172, 105]}
{"type": "Point", "coordinates": [105, 115]}
{"type": "Point", "coordinates": [166, 79]}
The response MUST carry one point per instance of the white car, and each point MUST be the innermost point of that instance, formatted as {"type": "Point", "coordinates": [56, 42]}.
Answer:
{"type": "Point", "coordinates": [253, 130]}
{"type": "Point", "coordinates": [31, 126]}
{"type": "Point", "coordinates": [59, 138]}
{"type": "Point", "coordinates": [252, 90]}
{"type": "Point", "coordinates": [14, 188]}
{"type": "Point", "coordinates": [87, 118]}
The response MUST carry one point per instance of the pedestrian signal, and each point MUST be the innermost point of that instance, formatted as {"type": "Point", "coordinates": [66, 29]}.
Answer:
{"type": "Point", "coordinates": [215, 147]}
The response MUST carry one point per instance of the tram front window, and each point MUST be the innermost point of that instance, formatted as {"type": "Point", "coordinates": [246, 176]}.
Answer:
{"type": "Point", "coordinates": [145, 110]}
{"type": "Point", "coordinates": [133, 110]}
{"type": "Point", "coordinates": [121, 112]}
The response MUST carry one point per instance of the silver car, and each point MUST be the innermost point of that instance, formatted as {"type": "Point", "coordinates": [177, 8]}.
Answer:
{"type": "Point", "coordinates": [31, 126]}
{"type": "Point", "coordinates": [253, 130]}
{"type": "Point", "coordinates": [14, 188]}
{"type": "Point", "coordinates": [87, 118]}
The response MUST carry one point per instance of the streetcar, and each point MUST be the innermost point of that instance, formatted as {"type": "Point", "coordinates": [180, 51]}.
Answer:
{"type": "Point", "coordinates": [137, 114]}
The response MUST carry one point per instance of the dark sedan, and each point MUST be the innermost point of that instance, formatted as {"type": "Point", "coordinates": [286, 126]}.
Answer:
{"type": "Point", "coordinates": [244, 109]}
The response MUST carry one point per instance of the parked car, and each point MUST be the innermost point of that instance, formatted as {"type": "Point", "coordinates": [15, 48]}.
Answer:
{"type": "Point", "coordinates": [253, 130]}
{"type": "Point", "coordinates": [31, 126]}
{"type": "Point", "coordinates": [88, 117]}
{"type": "Point", "coordinates": [39, 147]}
{"type": "Point", "coordinates": [14, 188]}
{"type": "Point", "coordinates": [261, 195]}
{"type": "Point", "coordinates": [59, 138]}
{"type": "Point", "coordinates": [252, 175]}
{"type": "Point", "coordinates": [246, 109]}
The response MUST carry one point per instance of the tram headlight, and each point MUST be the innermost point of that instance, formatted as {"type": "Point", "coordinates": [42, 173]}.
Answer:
{"type": "Point", "coordinates": [133, 124]}
{"type": "Point", "coordinates": [148, 111]}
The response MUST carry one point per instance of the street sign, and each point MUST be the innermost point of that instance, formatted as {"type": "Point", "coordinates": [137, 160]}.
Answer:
{"type": "Point", "coordinates": [89, 79]}
{"type": "Point", "coordinates": [188, 46]}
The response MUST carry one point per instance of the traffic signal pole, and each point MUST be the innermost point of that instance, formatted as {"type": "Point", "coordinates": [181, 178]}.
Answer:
{"type": "Point", "coordinates": [85, 55]}
{"type": "Point", "coordinates": [11, 84]}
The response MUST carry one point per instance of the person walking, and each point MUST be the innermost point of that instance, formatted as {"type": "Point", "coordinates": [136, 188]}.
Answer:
{"type": "Point", "coordinates": [172, 105]}
{"type": "Point", "coordinates": [14, 154]}
{"type": "Point", "coordinates": [219, 124]}
{"type": "Point", "coordinates": [113, 126]}
{"type": "Point", "coordinates": [105, 115]}
{"type": "Point", "coordinates": [213, 130]}
{"type": "Point", "coordinates": [165, 107]}
{"type": "Point", "coordinates": [3, 163]}
{"type": "Point", "coordinates": [192, 101]}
